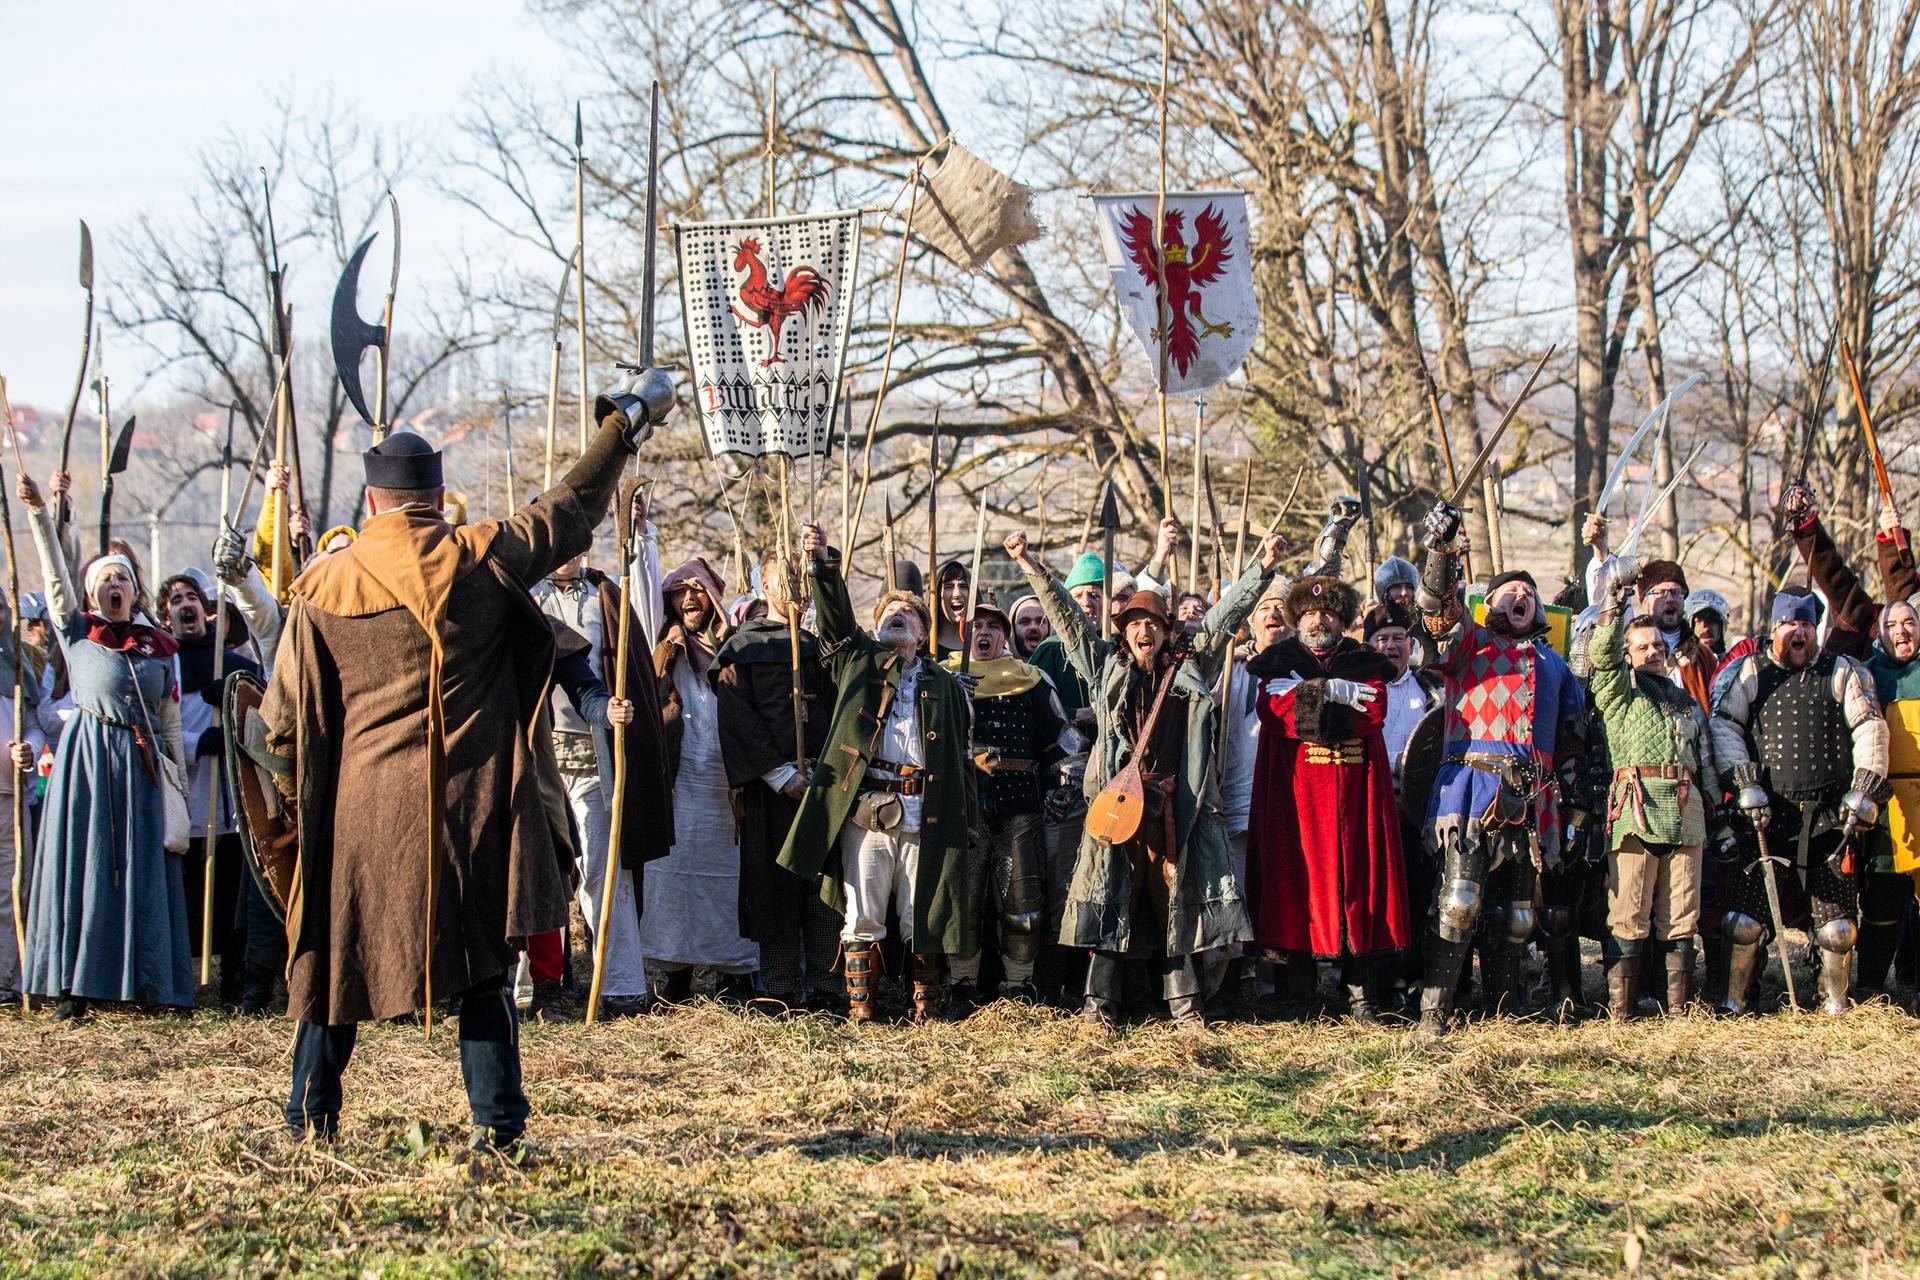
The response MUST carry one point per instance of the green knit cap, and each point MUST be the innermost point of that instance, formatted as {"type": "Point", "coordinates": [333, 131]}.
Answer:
{"type": "Point", "coordinates": [1088, 571]}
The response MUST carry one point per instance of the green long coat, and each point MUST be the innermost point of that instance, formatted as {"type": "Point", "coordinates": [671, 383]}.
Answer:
{"type": "Point", "coordinates": [1206, 909]}
{"type": "Point", "coordinates": [943, 918]}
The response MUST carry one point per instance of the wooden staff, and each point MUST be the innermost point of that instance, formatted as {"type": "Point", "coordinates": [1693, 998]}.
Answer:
{"type": "Point", "coordinates": [616, 823]}
{"type": "Point", "coordinates": [1160, 269]}
{"type": "Point", "coordinates": [1226, 666]}
{"type": "Point", "coordinates": [1873, 441]}
{"type": "Point", "coordinates": [1446, 450]}
{"type": "Point", "coordinates": [793, 614]}
{"type": "Point", "coordinates": [213, 772]}
{"type": "Point", "coordinates": [933, 535]}
{"type": "Point", "coordinates": [19, 721]}
{"type": "Point", "coordinates": [1193, 529]}
{"type": "Point", "coordinates": [886, 361]}
{"type": "Point", "coordinates": [553, 367]}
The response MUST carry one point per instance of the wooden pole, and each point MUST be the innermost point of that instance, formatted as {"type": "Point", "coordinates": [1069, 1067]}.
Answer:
{"type": "Point", "coordinates": [1193, 529]}
{"type": "Point", "coordinates": [1489, 496]}
{"type": "Point", "coordinates": [616, 824]}
{"type": "Point", "coordinates": [19, 722]}
{"type": "Point", "coordinates": [886, 365]}
{"type": "Point", "coordinates": [282, 552]}
{"type": "Point", "coordinates": [213, 773]}
{"type": "Point", "coordinates": [1160, 268]}
{"type": "Point", "coordinates": [1226, 666]}
{"type": "Point", "coordinates": [933, 536]}
{"type": "Point", "coordinates": [553, 409]}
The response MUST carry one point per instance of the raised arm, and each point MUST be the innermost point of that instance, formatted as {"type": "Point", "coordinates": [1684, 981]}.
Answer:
{"type": "Point", "coordinates": [558, 525]}
{"type": "Point", "coordinates": [62, 600]}
{"type": "Point", "coordinates": [1898, 580]}
{"type": "Point", "coordinates": [1222, 622]}
{"type": "Point", "coordinates": [832, 606]}
{"type": "Point", "coordinates": [1612, 682]}
{"type": "Point", "coordinates": [1854, 611]}
{"type": "Point", "coordinates": [1078, 635]}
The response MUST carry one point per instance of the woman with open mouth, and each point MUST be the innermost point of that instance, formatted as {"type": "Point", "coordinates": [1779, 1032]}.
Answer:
{"type": "Point", "coordinates": [107, 913]}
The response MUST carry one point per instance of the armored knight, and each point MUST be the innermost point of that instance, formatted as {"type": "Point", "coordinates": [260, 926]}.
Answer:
{"type": "Point", "coordinates": [1513, 712]}
{"type": "Point", "coordinates": [1799, 735]}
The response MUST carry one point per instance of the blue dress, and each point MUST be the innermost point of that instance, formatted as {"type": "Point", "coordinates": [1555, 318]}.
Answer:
{"type": "Point", "coordinates": [107, 916]}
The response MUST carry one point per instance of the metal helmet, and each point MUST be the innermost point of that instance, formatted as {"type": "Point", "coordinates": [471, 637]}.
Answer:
{"type": "Point", "coordinates": [1394, 572]}
{"type": "Point", "coordinates": [1706, 600]}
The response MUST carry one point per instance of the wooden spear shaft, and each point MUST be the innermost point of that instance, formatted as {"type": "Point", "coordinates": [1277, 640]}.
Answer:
{"type": "Point", "coordinates": [1226, 666]}
{"type": "Point", "coordinates": [19, 721]}
{"type": "Point", "coordinates": [1160, 268]}
{"type": "Point", "coordinates": [580, 280]}
{"type": "Point", "coordinates": [793, 614]}
{"type": "Point", "coordinates": [1193, 528]}
{"type": "Point", "coordinates": [616, 821]}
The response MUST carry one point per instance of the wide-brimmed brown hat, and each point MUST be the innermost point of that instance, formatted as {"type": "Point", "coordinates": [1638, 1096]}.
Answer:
{"type": "Point", "coordinates": [1145, 603]}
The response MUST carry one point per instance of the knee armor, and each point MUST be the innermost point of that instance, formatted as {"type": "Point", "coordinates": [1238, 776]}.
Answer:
{"type": "Point", "coordinates": [1519, 923]}
{"type": "Point", "coordinates": [1556, 922]}
{"type": "Point", "coordinates": [1837, 935]}
{"type": "Point", "coordinates": [1460, 902]}
{"type": "Point", "coordinates": [1741, 930]}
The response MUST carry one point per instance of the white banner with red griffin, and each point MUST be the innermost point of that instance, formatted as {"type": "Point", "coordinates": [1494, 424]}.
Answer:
{"type": "Point", "coordinates": [768, 308]}
{"type": "Point", "coordinates": [1210, 305]}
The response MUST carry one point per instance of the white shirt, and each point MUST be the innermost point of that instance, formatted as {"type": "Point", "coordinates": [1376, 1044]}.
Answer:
{"type": "Point", "coordinates": [577, 604]}
{"type": "Point", "coordinates": [1407, 702]}
{"type": "Point", "coordinates": [1242, 745]}
{"type": "Point", "coordinates": [900, 739]}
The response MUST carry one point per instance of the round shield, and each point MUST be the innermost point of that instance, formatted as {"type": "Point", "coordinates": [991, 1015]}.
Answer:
{"type": "Point", "coordinates": [267, 830]}
{"type": "Point", "coordinates": [1420, 763]}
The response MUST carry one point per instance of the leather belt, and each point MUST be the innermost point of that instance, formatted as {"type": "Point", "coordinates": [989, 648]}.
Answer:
{"type": "Point", "coordinates": [907, 786]}
{"type": "Point", "coordinates": [992, 762]}
{"type": "Point", "coordinates": [1652, 771]}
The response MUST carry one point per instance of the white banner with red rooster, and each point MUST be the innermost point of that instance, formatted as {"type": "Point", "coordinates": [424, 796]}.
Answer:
{"type": "Point", "coordinates": [1211, 310]}
{"type": "Point", "coordinates": [768, 307]}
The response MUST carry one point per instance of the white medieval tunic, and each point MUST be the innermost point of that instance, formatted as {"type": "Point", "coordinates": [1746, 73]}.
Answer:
{"type": "Point", "coordinates": [691, 907]}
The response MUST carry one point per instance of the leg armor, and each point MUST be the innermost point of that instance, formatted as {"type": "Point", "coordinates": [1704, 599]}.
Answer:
{"type": "Point", "coordinates": [860, 962]}
{"type": "Point", "coordinates": [1560, 939]}
{"type": "Point", "coordinates": [1746, 940]}
{"type": "Point", "coordinates": [927, 972]}
{"type": "Point", "coordinates": [1018, 854]}
{"type": "Point", "coordinates": [1835, 940]}
{"type": "Point", "coordinates": [1462, 888]}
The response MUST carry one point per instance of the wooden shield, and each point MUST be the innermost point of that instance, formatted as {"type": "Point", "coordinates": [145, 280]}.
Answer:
{"type": "Point", "coordinates": [267, 830]}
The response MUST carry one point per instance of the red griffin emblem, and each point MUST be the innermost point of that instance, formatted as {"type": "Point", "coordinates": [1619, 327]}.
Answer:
{"type": "Point", "coordinates": [803, 290]}
{"type": "Point", "coordinates": [1189, 269]}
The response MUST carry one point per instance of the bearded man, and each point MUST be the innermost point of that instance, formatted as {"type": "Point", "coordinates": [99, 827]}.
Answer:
{"type": "Point", "coordinates": [1886, 639]}
{"type": "Point", "coordinates": [1799, 735]}
{"type": "Point", "coordinates": [1167, 893]}
{"type": "Point", "coordinates": [1030, 627]}
{"type": "Point", "coordinates": [1325, 875]}
{"type": "Point", "coordinates": [798, 935]}
{"type": "Point", "coordinates": [883, 824]}
{"type": "Point", "coordinates": [691, 897]}
{"type": "Point", "coordinates": [1514, 714]}
{"type": "Point", "coordinates": [1663, 794]}
{"type": "Point", "coordinates": [1019, 734]}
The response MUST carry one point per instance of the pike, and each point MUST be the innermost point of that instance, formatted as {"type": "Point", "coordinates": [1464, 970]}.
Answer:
{"type": "Point", "coordinates": [553, 366]}
{"type": "Point", "coordinates": [1226, 666]}
{"type": "Point", "coordinates": [1219, 535]}
{"type": "Point", "coordinates": [933, 535]}
{"type": "Point", "coordinates": [1109, 526]}
{"type": "Point", "coordinates": [1465, 484]}
{"type": "Point", "coordinates": [1440, 430]}
{"type": "Point", "coordinates": [1193, 533]}
{"type": "Point", "coordinates": [580, 240]}
{"type": "Point", "coordinates": [973, 586]}
{"type": "Point", "coordinates": [1873, 441]}
{"type": "Point", "coordinates": [352, 335]}
{"type": "Point", "coordinates": [64, 517]}
{"type": "Point", "coordinates": [1615, 476]}
{"type": "Point", "coordinates": [112, 462]}
{"type": "Point", "coordinates": [622, 646]}
{"type": "Point", "coordinates": [886, 546]}
{"type": "Point", "coordinates": [219, 677]}
{"type": "Point", "coordinates": [19, 724]}
{"type": "Point", "coordinates": [281, 317]}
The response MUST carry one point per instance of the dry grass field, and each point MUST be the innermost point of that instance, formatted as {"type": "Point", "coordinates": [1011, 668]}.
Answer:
{"type": "Point", "coordinates": [1021, 1142]}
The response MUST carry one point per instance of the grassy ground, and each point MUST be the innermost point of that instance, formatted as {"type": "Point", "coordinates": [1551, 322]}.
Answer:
{"type": "Point", "coordinates": [1022, 1142]}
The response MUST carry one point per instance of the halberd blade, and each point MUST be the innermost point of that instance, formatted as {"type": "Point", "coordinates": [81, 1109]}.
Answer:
{"type": "Point", "coordinates": [352, 335]}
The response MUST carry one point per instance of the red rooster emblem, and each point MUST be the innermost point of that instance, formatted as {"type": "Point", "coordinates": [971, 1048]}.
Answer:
{"type": "Point", "coordinates": [1188, 270]}
{"type": "Point", "coordinates": [803, 290]}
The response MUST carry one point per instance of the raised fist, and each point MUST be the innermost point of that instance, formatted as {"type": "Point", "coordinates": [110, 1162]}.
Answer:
{"type": "Point", "coordinates": [1593, 530]}
{"type": "Point", "coordinates": [1272, 547]}
{"type": "Point", "coordinates": [29, 492]}
{"type": "Point", "coordinates": [1797, 505]}
{"type": "Point", "coordinates": [1441, 526]}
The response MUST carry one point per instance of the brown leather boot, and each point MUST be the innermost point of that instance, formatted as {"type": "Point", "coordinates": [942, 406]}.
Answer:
{"type": "Point", "coordinates": [860, 962]}
{"type": "Point", "coordinates": [929, 992]}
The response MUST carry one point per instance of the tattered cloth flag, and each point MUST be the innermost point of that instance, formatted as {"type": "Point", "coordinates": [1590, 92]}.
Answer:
{"type": "Point", "coordinates": [768, 310]}
{"type": "Point", "coordinates": [1211, 310]}
{"type": "Point", "coordinates": [971, 210]}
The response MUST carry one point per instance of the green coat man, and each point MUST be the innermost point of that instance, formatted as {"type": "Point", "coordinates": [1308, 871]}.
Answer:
{"type": "Point", "coordinates": [850, 817]}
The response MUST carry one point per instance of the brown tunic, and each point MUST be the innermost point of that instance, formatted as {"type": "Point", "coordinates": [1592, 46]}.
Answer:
{"type": "Point", "coordinates": [425, 852]}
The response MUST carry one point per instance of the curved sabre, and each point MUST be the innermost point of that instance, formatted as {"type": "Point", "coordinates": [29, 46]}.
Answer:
{"type": "Point", "coordinates": [1646, 517]}
{"type": "Point", "coordinates": [1614, 476]}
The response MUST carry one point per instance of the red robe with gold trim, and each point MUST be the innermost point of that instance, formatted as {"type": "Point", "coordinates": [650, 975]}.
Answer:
{"type": "Point", "coordinates": [1324, 867]}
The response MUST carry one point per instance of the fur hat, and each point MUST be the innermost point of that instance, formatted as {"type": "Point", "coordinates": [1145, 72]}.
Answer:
{"type": "Point", "coordinates": [918, 605]}
{"type": "Point", "coordinates": [1382, 616]}
{"type": "Point", "coordinates": [1655, 572]}
{"type": "Point", "coordinates": [1322, 592]}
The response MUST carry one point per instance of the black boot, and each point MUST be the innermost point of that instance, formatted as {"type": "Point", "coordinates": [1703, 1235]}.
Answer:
{"type": "Point", "coordinates": [1713, 983]}
{"type": "Point", "coordinates": [69, 1009]}
{"type": "Point", "coordinates": [674, 988]}
{"type": "Point", "coordinates": [1873, 958]}
{"type": "Point", "coordinates": [1357, 976]}
{"type": "Point", "coordinates": [1499, 978]}
{"type": "Point", "coordinates": [256, 992]}
{"type": "Point", "coordinates": [1444, 963]}
{"type": "Point", "coordinates": [1103, 989]}
{"type": "Point", "coordinates": [1568, 997]}
{"type": "Point", "coordinates": [1294, 983]}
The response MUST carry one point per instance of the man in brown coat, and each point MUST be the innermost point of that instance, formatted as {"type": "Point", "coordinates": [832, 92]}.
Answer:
{"type": "Point", "coordinates": [410, 673]}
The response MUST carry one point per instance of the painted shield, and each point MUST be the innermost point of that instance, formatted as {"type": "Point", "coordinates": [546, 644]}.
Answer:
{"type": "Point", "coordinates": [1204, 259]}
{"type": "Point", "coordinates": [267, 831]}
{"type": "Point", "coordinates": [1420, 763]}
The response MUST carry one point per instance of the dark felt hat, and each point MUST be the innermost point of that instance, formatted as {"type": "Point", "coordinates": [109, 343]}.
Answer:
{"type": "Point", "coordinates": [403, 461]}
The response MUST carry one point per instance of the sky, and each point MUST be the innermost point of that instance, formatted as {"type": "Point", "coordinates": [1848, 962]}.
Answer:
{"type": "Point", "coordinates": [105, 106]}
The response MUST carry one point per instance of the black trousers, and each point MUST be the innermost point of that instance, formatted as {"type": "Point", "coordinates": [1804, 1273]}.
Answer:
{"type": "Point", "coordinates": [489, 1065]}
